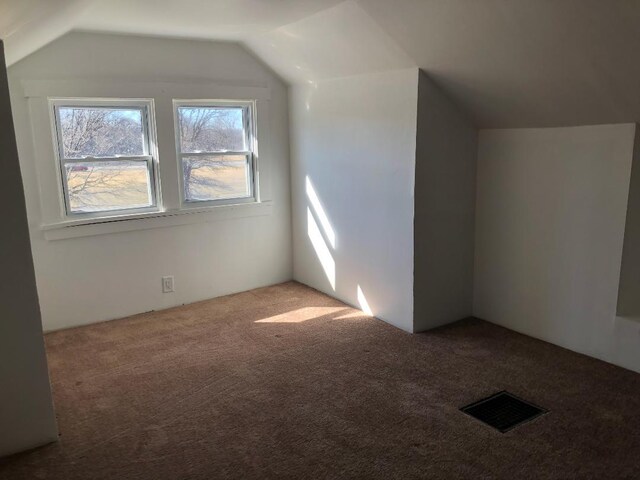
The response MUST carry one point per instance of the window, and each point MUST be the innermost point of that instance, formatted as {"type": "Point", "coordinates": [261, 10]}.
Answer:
{"type": "Point", "coordinates": [216, 147]}
{"type": "Point", "coordinates": [105, 152]}
{"type": "Point", "coordinates": [107, 156]}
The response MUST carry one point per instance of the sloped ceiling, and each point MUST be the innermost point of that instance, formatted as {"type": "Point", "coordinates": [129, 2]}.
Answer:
{"type": "Point", "coordinates": [508, 63]}
{"type": "Point", "coordinates": [524, 63]}
{"type": "Point", "coordinates": [27, 25]}
{"type": "Point", "coordinates": [337, 42]}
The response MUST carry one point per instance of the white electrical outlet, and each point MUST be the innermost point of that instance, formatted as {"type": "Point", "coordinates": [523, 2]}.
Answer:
{"type": "Point", "coordinates": [167, 284]}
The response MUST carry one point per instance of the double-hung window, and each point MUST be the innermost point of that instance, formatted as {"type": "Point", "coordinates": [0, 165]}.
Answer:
{"type": "Point", "coordinates": [108, 160]}
{"type": "Point", "coordinates": [106, 155]}
{"type": "Point", "coordinates": [216, 148]}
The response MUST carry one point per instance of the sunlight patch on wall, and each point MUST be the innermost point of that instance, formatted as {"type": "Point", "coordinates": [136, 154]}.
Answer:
{"type": "Point", "coordinates": [362, 301]}
{"type": "Point", "coordinates": [301, 315]}
{"type": "Point", "coordinates": [322, 251]}
{"type": "Point", "coordinates": [322, 215]}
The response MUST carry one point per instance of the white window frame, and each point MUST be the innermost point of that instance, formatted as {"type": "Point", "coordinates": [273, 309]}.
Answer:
{"type": "Point", "coordinates": [150, 156]}
{"type": "Point", "coordinates": [251, 154]}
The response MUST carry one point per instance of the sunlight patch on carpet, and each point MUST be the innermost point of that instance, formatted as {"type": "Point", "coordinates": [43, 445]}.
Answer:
{"type": "Point", "coordinates": [301, 315]}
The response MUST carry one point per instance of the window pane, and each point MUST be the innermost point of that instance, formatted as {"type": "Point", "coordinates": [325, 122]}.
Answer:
{"type": "Point", "coordinates": [108, 185]}
{"type": "Point", "coordinates": [212, 129]}
{"type": "Point", "coordinates": [215, 177]}
{"type": "Point", "coordinates": [101, 132]}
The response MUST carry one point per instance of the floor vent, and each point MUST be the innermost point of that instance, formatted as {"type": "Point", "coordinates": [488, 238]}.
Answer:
{"type": "Point", "coordinates": [503, 411]}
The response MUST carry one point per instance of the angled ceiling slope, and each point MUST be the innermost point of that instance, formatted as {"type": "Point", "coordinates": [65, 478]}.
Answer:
{"type": "Point", "coordinates": [28, 25]}
{"type": "Point", "coordinates": [338, 42]}
{"type": "Point", "coordinates": [525, 63]}
{"type": "Point", "coordinates": [509, 63]}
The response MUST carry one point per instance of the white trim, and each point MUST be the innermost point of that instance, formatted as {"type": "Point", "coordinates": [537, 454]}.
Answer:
{"type": "Point", "coordinates": [145, 221]}
{"type": "Point", "coordinates": [138, 158]}
{"type": "Point", "coordinates": [48, 175]}
{"type": "Point", "coordinates": [222, 153]}
{"type": "Point", "coordinates": [187, 89]}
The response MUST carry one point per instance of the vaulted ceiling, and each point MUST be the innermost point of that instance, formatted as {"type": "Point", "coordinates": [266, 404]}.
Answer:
{"type": "Point", "coordinates": [509, 63]}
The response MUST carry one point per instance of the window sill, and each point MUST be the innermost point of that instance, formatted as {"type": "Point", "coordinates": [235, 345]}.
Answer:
{"type": "Point", "coordinates": [143, 221]}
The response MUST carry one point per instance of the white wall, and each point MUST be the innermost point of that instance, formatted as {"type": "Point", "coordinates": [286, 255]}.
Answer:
{"type": "Point", "coordinates": [26, 410]}
{"type": "Point", "coordinates": [88, 279]}
{"type": "Point", "coordinates": [551, 207]}
{"type": "Point", "coordinates": [446, 153]}
{"type": "Point", "coordinates": [629, 292]}
{"type": "Point", "coordinates": [354, 140]}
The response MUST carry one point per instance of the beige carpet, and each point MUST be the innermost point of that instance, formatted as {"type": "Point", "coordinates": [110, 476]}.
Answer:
{"type": "Point", "coordinates": [285, 382]}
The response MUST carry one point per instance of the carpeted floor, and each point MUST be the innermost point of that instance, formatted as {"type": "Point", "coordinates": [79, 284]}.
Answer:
{"type": "Point", "coordinates": [285, 382]}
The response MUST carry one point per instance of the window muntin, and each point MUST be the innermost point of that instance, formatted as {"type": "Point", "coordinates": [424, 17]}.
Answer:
{"type": "Point", "coordinates": [215, 150]}
{"type": "Point", "coordinates": [104, 150]}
